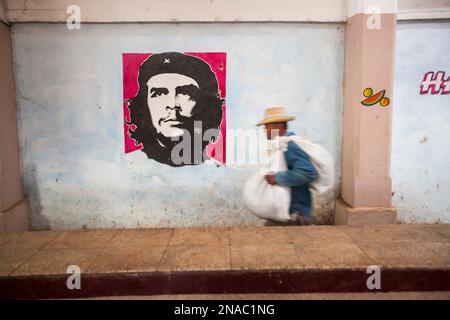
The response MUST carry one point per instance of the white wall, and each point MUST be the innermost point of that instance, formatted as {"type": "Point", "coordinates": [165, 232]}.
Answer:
{"type": "Point", "coordinates": [70, 118]}
{"type": "Point", "coordinates": [421, 126]}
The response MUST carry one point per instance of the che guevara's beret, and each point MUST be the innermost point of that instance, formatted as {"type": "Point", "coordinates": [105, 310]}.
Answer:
{"type": "Point", "coordinates": [175, 62]}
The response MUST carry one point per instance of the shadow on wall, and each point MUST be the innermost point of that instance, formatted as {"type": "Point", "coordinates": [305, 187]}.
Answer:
{"type": "Point", "coordinates": [32, 194]}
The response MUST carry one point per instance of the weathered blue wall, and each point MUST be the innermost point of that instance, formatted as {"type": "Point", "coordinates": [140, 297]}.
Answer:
{"type": "Point", "coordinates": [69, 84]}
{"type": "Point", "coordinates": [421, 125]}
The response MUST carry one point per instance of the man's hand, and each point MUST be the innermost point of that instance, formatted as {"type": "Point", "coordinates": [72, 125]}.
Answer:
{"type": "Point", "coordinates": [270, 178]}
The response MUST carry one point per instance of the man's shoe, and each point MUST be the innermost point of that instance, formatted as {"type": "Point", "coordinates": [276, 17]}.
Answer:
{"type": "Point", "coordinates": [300, 220]}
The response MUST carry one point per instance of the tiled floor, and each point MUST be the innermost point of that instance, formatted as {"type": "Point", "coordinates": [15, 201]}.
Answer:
{"type": "Point", "coordinates": [248, 248]}
{"type": "Point", "coordinates": [224, 260]}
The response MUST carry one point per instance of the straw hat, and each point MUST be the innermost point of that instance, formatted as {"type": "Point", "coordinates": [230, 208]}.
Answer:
{"type": "Point", "coordinates": [275, 114]}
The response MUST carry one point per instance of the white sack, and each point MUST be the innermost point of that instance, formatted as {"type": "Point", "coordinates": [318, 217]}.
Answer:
{"type": "Point", "coordinates": [321, 159]}
{"type": "Point", "coordinates": [262, 199]}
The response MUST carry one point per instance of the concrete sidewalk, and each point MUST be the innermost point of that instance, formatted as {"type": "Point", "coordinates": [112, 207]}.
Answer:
{"type": "Point", "coordinates": [225, 260]}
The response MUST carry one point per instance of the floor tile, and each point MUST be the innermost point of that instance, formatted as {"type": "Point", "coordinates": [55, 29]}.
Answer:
{"type": "Point", "coordinates": [82, 239]}
{"type": "Point", "coordinates": [277, 256]}
{"type": "Point", "coordinates": [317, 234]}
{"type": "Point", "coordinates": [141, 238]}
{"type": "Point", "coordinates": [201, 236]}
{"type": "Point", "coordinates": [441, 249]}
{"type": "Point", "coordinates": [430, 232]}
{"type": "Point", "coordinates": [128, 259]}
{"type": "Point", "coordinates": [12, 259]}
{"type": "Point", "coordinates": [332, 255]}
{"type": "Point", "coordinates": [27, 240]}
{"type": "Point", "coordinates": [402, 254]}
{"type": "Point", "coordinates": [259, 236]}
{"type": "Point", "coordinates": [190, 257]}
{"type": "Point", "coordinates": [382, 233]}
{"type": "Point", "coordinates": [12, 237]}
{"type": "Point", "coordinates": [47, 262]}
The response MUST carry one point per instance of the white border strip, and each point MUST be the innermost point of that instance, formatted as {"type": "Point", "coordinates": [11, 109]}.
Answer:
{"type": "Point", "coordinates": [148, 11]}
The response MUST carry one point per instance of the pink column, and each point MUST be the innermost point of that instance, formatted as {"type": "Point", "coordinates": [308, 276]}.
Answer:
{"type": "Point", "coordinates": [369, 62]}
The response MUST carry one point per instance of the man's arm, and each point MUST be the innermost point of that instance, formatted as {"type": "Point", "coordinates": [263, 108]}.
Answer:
{"type": "Point", "coordinates": [302, 171]}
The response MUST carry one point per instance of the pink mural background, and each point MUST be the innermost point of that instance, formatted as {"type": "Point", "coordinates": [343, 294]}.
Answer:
{"type": "Point", "coordinates": [131, 63]}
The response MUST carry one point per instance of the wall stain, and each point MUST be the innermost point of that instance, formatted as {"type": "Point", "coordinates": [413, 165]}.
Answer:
{"type": "Point", "coordinates": [424, 140]}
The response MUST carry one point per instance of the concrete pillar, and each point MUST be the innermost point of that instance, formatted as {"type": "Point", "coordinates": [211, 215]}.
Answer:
{"type": "Point", "coordinates": [369, 63]}
{"type": "Point", "coordinates": [13, 207]}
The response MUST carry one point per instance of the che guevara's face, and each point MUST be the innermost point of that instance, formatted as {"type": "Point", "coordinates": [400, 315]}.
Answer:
{"type": "Point", "coordinates": [171, 100]}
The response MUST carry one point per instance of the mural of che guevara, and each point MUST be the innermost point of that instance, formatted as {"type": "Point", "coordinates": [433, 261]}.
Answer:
{"type": "Point", "coordinates": [178, 96]}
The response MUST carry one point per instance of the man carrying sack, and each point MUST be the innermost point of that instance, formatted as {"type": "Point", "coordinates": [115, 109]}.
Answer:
{"type": "Point", "coordinates": [300, 172]}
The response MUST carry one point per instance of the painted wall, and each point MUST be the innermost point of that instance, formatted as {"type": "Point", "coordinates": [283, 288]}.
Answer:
{"type": "Point", "coordinates": [69, 85]}
{"type": "Point", "coordinates": [219, 10]}
{"type": "Point", "coordinates": [421, 131]}
{"type": "Point", "coordinates": [178, 10]}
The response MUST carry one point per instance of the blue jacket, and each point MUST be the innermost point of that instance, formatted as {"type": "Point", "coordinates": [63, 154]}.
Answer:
{"type": "Point", "coordinates": [298, 176]}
